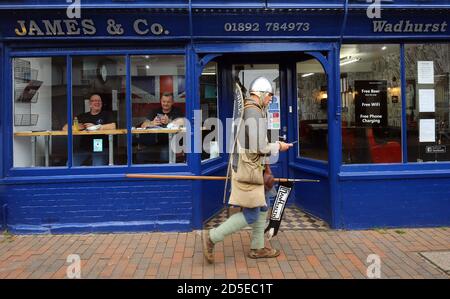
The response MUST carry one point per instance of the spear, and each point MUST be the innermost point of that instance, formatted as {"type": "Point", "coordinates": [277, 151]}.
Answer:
{"type": "Point", "coordinates": [203, 178]}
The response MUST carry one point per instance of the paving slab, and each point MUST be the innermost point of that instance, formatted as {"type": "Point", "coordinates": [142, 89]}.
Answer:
{"type": "Point", "coordinates": [439, 258]}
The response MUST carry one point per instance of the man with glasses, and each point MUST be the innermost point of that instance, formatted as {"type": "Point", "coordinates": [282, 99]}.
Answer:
{"type": "Point", "coordinates": [93, 147]}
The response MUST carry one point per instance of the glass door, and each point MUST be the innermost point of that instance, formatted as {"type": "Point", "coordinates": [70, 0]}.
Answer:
{"type": "Point", "coordinates": [243, 75]}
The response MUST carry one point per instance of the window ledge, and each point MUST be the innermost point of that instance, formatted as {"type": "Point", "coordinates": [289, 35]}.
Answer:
{"type": "Point", "coordinates": [393, 174]}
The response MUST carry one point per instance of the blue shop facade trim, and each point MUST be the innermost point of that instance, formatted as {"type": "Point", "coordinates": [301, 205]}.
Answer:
{"type": "Point", "coordinates": [102, 199]}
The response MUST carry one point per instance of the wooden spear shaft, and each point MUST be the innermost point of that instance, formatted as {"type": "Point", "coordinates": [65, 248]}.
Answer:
{"type": "Point", "coordinates": [203, 178]}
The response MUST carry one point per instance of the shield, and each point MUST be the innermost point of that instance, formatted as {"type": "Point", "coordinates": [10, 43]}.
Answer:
{"type": "Point", "coordinates": [238, 108]}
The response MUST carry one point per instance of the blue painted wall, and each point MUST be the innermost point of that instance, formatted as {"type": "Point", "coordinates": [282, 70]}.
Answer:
{"type": "Point", "coordinates": [99, 206]}
{"type": "Point", "coordinates": [313, 198]}
{"type": "Point", "coordinates": [212, 195]}
{"type": "Point", "coordinates": [395, 203]}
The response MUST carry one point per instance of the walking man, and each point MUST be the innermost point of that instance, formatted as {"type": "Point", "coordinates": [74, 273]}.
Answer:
{"type": "Point", "coordinates": [247, 179]}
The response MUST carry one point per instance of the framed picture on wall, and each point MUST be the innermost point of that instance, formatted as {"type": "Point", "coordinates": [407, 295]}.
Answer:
{"type": "Point", "coordinates": [410, 94]}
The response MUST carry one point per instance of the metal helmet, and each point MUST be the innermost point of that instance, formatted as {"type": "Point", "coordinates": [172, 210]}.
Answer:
{"type": "Point", "coordinates": [261, 85]}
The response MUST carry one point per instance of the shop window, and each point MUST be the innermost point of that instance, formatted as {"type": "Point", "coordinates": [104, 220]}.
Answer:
{"type": "Point", "coordinates": [428, 102]}
{"type": "Point", "coordinates": [208, 105]}
{"type": "Point", "coordinates": [98, 107]}
{"type": "Point", "coordinates": [158, 96]}
{"type": "Point", "coordinates": [371, 103]}
{"type": "Point", "coordinates": [312, 98]}
{"type": "Point", "coordinates": [40, 111]}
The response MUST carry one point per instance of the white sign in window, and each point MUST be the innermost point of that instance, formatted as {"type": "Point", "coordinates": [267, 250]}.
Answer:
{"type": "Point", "coordinates": [425, 72]}
{"type": "Point", "coordinates": [426, 100]}
{"type": "Point", "coordinates": [427, 131]}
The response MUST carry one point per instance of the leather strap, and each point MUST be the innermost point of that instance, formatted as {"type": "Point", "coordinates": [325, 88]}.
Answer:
{"type": "Point", "coordinates": [248, 105]}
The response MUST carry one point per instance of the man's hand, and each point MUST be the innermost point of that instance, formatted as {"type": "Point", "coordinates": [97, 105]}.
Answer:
{"type": "Point", "coordinates": [156, 121]}
{"type": "Point", "coordinates": [284, 146]}
{"type": "Point", "coordinates": [87, 125]}
{"type": "Point", "coordinates": [165, 119]}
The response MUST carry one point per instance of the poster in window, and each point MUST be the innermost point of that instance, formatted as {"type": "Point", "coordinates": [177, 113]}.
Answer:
{"type": "Point", "coordinates": [371, 103]}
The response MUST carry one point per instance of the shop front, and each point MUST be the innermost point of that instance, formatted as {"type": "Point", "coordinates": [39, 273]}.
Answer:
{"type": "Point", "coordinates": [87, 99]}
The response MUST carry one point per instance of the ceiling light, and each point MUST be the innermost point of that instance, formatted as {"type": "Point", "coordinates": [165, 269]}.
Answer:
{"type": "Point", "coordinates": [307, 75]}
{"type": "Point", "coordinates": [348, 60]}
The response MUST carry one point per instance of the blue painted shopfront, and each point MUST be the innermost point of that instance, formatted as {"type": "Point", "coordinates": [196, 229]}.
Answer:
{"type": "Point", "coordinates": [101, 199]}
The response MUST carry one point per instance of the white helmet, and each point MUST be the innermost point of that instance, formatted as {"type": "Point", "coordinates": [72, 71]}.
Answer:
{"type": "Point", "coordinates": [261, 85]}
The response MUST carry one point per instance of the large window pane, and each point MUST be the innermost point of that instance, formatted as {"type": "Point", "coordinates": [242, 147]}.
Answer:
{"type": "Point", "coordinates": [158, 94]}
{"type": "Point", "coordinates": [428, 102]}
{"type": "Point", "coordinates": [208, 102]}
{"type": "Point", "coordinates": [312, 97]}
{"type": "Point", "coordinates": [98, 105]}
{"type": "Point", "coordinates": [40, 111]}
{"type": "Point", "coordinates": [371, 103]}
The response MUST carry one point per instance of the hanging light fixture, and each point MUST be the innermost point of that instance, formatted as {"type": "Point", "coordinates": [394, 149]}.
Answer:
{"type": "Point", "coordinates": [348, 60]}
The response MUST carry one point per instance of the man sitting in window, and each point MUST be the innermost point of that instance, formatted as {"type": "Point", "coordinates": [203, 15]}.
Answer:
{"type": "Point", "coordinates": [93, 146]}
{"type": "Point", "coordinates": [160, 117]}
{"type": "Point", "coordinates": [164, 115]}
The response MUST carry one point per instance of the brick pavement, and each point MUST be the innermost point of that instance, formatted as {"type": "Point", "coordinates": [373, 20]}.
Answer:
{"type": "Point", "coordinates": [304, 254]}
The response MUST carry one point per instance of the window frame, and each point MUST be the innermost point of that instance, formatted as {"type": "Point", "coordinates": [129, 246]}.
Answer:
{"type": "Point", "coordinates": [298, 162]}
{"type": "Point", "coordinates": [345, 171]}
{"type": "Point", "coordinates": [402, 95]}
{"type": "Point", "coordinates": [218, 110]}
{"type": "Point", "coordinates": [404, 84]}
{"type": "Point", "coordinates": [11, 171]}
{"type": "Point", "coordinates": [298, 156]}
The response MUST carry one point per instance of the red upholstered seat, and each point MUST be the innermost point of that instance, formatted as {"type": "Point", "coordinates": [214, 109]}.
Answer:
{"type": "Point", "coordinates": [389, 152]}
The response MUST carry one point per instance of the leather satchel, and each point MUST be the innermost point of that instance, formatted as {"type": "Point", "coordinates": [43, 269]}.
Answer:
{"type": "Point", "coordinates": [269, 180]}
